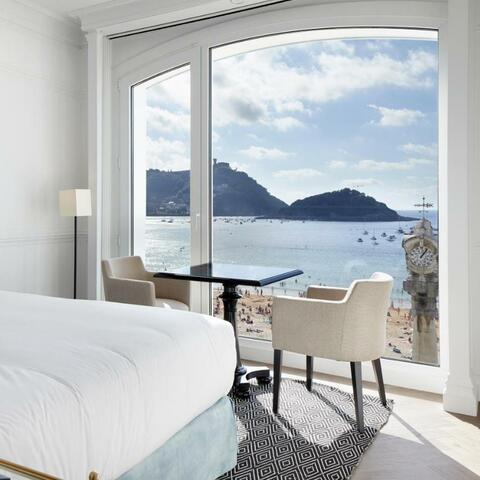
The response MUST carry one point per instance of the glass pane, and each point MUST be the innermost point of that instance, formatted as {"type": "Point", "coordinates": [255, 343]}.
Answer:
{"type": "Point", "coordinates": [323, 152]}
{"type": "Point", "coordinates": [162, 169]}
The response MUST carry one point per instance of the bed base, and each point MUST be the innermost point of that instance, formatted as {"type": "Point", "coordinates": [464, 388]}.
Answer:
{"type": "Point", "coordinates": [203, 450]}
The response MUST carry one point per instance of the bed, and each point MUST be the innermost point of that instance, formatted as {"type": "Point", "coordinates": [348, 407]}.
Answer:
{"type": "Point", "coordinates": [120, 390]}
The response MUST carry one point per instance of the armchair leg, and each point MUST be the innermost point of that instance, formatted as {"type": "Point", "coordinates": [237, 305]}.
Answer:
{"type": "Point", "coordinates": [277, 377]}
{"type": "Point", "coordinates": [356, 369]}
{"type": "Point", "coordinates": [309, 372]}
{"type": "Point", "coordinates": [377, 368]}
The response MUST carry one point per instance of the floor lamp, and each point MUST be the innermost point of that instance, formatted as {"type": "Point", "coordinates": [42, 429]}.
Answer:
{"type": "Point", "coordinates": [75, 203]}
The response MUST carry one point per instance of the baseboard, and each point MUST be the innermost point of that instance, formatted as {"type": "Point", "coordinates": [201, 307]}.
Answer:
{"type": "Point", "coordinates": [460, 398]}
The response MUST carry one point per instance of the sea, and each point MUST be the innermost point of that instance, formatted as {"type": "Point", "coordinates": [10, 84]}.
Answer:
{"type": "Point", "coordinates": [329, 253]}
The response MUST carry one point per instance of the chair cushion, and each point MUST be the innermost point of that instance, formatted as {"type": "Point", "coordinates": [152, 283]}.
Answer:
{"type": "Point", "coordinates": [170, 304]}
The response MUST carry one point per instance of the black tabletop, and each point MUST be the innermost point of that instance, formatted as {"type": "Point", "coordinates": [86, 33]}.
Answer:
{"type": "Point", "coordinates": [249, 275]}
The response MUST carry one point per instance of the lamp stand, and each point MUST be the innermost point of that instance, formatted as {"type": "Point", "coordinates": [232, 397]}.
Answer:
{"type": "Point", "coordinates": [75, 257]}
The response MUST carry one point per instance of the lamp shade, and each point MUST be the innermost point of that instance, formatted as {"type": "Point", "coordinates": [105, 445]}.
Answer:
{"type": "Point", "coordinates": [75, 203]}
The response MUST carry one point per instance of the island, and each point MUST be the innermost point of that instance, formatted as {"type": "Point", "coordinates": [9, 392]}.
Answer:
{"type": "Point", "coordinates": [345, 205]}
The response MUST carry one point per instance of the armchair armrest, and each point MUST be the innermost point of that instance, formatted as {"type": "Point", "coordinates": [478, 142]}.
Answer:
{"type": "Point", "coordinates": [308, 326]}
{"type": "Point", "coordinates": [169, 288]}
{"type": "Point", "coordinates": [126, 290]}
{"type": "Point", "coordinates": [326, 293]}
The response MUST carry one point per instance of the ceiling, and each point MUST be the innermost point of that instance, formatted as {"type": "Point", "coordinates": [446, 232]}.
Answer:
{"type": "Point", "coordinates": [64, 7]}
{"type": "Point", "coordinates": [114, 16]}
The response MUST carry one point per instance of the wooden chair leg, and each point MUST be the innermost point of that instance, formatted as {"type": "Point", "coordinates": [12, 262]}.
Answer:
{"type": "Point", "coordinates": [356, 369]}
{"type": "Point", "coordinates": [377, 368]}
{"type": "Point", "coordinates": [277, 377]}
{"type": "Point", "coordinates": [309, 372]}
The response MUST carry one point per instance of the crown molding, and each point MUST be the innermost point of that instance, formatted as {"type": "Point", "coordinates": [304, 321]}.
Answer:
{"type": "Point", "coordinates": [44, 22]}
{"type": "Point", "coordinates": [120, 16]}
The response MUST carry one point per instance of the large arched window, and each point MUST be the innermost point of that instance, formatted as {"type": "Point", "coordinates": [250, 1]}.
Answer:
{"type": "Point", "coordinates": [323, 156]}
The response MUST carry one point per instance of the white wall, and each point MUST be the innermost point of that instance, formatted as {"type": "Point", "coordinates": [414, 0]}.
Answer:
{"type": "Point", "coordinates": [475, 190]}
{"type": "Point", "coordinates": [42, 148]}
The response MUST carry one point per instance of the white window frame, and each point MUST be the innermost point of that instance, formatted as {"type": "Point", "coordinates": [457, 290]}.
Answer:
{"type": "Point", "coordinates": [454, 273]}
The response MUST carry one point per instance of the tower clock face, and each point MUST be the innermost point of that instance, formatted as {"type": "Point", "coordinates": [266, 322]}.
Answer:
{"type": "Point", "coordinates": [422, 256]}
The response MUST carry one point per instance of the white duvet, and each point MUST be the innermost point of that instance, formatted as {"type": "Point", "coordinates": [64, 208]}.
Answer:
{"type": "Point", "coordinates": [99, 386]}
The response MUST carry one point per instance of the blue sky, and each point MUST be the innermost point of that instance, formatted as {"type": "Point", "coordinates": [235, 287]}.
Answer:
{"type": "Point", "coordinates": [317, 116]}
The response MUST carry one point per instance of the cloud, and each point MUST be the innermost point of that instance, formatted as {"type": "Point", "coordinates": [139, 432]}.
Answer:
{"type": "Point", "coordinates": [299, 173]}
{"type": "Point", "coordinates": [239, 166]}
{"type": "Point", "coordinates": [419, 161]}
{"type": "Point", "coordinates": [339, 46]}
{"type": "Point", "coordinates": [336, 164]}
{"type": "Point", "coordinates": [260, 86]}
{"type": "Point", "coordinates": [174, 91]}
{"type": "Point", "coordinates": [166, 154]}
{"type": "Point", "coordinates": [161, 120]}
{"type": "Point", "coordinates": [428, 150]}
{"type": "Point", "coordinates": [263, 153]}
{"type": "Point", "coordinates": [382, 166]}
{"type": "Point", "coordinates": [360, 182]}
{"type": "Point", "coordinates": [286, 123]}
{"type": "Point", "coordinates": [391, 117]}
{"type": "Point", "coordinates": [215, 137]}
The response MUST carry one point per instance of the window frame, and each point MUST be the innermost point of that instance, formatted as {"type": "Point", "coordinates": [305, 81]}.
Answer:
{"type": "Point", "coordinates": [198, 45]}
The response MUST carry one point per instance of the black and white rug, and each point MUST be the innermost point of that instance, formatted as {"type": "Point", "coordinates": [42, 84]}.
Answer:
{"type": "Point", "coordinates": [314, 436]}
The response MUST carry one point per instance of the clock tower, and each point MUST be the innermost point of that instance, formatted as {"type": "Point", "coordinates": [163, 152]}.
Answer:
{"type": "Point", "coordinates": [421, 254]}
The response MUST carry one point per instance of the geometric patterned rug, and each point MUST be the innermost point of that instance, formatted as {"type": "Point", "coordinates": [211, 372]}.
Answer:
{"type": "Point", "coordinates": [314, 436]}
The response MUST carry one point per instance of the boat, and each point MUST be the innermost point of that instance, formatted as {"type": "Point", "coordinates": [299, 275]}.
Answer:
{"type": "Point", "coordinates": [384, 234]}
{"type": "Point", "coordinates": [373, 237]}
{"type": "Point", "coordinates": [365, 232]}
{"type": "Point", "coordinates": [401, 230]}
{"type": "Point", "coordinates": [375, 243]}
{"type": "Point", "coordinates": [359, 240]}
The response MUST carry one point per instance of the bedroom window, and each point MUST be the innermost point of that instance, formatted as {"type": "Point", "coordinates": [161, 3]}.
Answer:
{"type": "Point", "coordinates": [161, 167]}
{"type": "Point", "coordinates": [324, 158]}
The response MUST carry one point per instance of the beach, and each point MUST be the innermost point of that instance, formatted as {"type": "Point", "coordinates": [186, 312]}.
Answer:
{"type": "Point", "coordinates": [254, 313]}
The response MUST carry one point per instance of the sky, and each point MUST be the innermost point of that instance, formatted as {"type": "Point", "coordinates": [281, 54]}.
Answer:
{"type": "Point", "coordinates": [312, 117]}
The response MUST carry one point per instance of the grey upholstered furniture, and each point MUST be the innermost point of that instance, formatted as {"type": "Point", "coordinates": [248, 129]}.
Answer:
{"type": "Point", "coordinates": [336, 323]}
{"type": "Point", "coordinates": [125, 280]}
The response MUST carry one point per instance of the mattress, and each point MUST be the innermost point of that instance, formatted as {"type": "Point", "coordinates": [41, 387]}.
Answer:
{"type": "Point", "coordinates": [88, 385]}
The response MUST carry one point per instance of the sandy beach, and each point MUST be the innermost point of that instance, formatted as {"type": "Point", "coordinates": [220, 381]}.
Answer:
{"type": "Point", "coordinates": [254, 312]}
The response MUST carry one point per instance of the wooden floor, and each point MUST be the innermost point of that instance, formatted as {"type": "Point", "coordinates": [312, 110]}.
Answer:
{"type": "Point", "coordinates": [420, 441]}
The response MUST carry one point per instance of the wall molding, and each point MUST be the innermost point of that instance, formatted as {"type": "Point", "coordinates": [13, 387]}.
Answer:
{"type": "Point", "coordinates": [42, 238]}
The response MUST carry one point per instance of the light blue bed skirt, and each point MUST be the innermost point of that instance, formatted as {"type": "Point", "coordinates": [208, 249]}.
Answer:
{"type": "Point", "coordinates": [203, 450]}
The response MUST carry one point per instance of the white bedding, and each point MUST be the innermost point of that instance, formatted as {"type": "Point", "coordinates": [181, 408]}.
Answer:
{"type": "Point", "coordinates": [99, 386]}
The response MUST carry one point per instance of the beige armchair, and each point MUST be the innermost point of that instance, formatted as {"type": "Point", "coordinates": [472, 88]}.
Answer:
{"type": "Point", "coordinates": [125, 280]}
{"type": "Point", "coordinates": [336, 323]}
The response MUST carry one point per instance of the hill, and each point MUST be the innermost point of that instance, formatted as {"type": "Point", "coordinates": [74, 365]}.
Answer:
{"type": "Point", "coordinates": [234, 193]}
{"type": "Point", "coordinates": [342, 206]}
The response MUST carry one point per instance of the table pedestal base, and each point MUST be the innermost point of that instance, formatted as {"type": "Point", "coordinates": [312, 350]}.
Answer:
{"type": "Point", "coordinates": [243, 375]}
{"type": "Point", "coordinates": [241, 386]}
